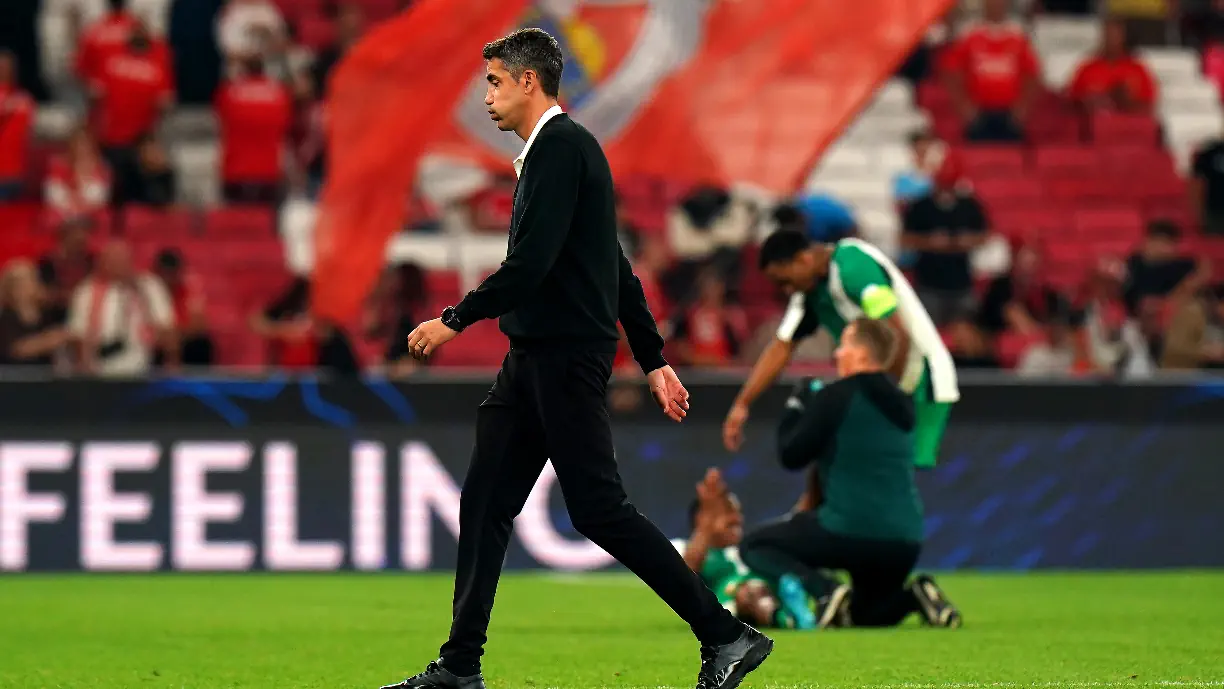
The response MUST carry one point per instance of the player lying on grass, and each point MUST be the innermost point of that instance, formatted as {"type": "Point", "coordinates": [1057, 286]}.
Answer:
{"type": "Point", "coordinates": [831, 285]}
{"type": "Point", "coordinates": [711, 550]}
{"type": "Point", "coordinates": [859, 432]}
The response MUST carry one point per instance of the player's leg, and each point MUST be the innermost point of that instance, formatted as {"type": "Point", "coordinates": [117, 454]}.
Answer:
{"type": "Point", "coordinates": [797, 548]}
{"type": "Point", "coordinates": [878, 571]}
{"type": "Point", "coordinates": [506, 462]}
{"type": "Point", "coordinates": [571, 396]}
{"type": "Point", "coordinates": [936, 609]}
{"type": "Point", "coordinates": [930, 421]}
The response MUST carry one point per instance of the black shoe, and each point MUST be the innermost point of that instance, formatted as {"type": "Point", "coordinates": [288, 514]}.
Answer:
{"type": "Point", "coordinates": [937, 610]}
{"type": "Point", "coordinates": [724, 667]}
{"type": "Point", "coordinates": [437, 677]}
{"type": "Point", "coordinates": [834, 610]}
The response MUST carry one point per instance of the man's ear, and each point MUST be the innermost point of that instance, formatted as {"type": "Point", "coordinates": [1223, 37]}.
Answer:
{"type": "Point", "coordinates": [530, 80]}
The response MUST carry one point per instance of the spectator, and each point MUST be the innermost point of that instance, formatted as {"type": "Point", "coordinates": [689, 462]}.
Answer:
{"type": "Point", "coordinates": [969, 346]}
{"type": "Point", "coordinates": [1053, 356]}
{"type": "Point", "coordinates": [131, 93]}
{"type": "Point", "coordinates": [296, 341]}
{"type": "Point", "coordinates": [246, 27]}
{"type": "Point", "coordinates": [119, 317]}
{"type": "Point", "coordinates": [1021, 301]}
{"type": "Point", "coordinates": [708, 228]}
{"type": "Point", "coordinates": [392, 313]}
{"type": "Point", "coordinates": [109, 36]}
{"type": "Point", "coordinates": [929, 154]}
{"type": "Point", "coordinates": [16, 119]}
{"type": "Point", "coordinates": [29, 332]}
{"type": "Point", "coordinates": [1114, 344]}
{"type": "Point", "coordinates": [155, 182]}
{"type": "Point", "coordinates": [309, 135]}
{"type": "Point", "coordinates": [350, 24]}
{"type": "Point", "coordinates": [194, 344]}
{"type": "Point", "coordinates": [1195, 337]}
{"type": "Point", "coordinates": [78, 184]}
{"type": "Point", "coordinates": [942, 228]}
{"type": "Point", "coordinates": [1114, 79]}
{"type": "Point", "coordinates": [1207, 187]}
{"type": "Point", "coordinates": [68, 264]}
{"type": "Point", "coordinates": [710, 332]}
{"type": "Point", "coordinates": [993, 76]}
{"type": "Point", "coordinates": [1160, 269]}
{"type": "Point", "coordinates": [255, 115]}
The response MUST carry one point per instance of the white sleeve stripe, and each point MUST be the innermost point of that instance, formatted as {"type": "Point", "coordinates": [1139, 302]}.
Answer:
{"type": "Point", "coordinates": [793, 317]}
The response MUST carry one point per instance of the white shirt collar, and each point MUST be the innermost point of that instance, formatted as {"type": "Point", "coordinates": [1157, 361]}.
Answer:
{"type": "Point", "coordinates": [548, 115]}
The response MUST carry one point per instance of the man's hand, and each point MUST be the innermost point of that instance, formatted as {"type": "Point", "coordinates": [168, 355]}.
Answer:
{"type": "Point", "coordinates": [428, 336]}
{"type": "Point", "coordinates": [733, 426]}
{"type": "Point", "coordinates": [711, 490]}
{"type": "Point", "coordinates": [668, 392]}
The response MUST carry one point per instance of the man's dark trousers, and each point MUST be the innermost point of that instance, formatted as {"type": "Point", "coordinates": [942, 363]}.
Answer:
{"type": "Point", "coordinates": [878, 568]}
{"type": "Point", "coordinates": [550, 403]}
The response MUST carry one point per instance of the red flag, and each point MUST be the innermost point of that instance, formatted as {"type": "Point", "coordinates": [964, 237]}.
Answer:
{"type": "Point", "coordinates": [386, 102]}
{"type": "Point", "coordinates": [771, 86]}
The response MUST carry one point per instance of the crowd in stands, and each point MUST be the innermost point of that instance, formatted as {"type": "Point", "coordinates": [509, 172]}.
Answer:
{"type": "Point", "coordinates": [1107, 248]}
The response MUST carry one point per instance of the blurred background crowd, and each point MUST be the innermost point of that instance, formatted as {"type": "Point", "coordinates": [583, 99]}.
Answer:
{"type": "Point", "coordinates": [1050, 174]}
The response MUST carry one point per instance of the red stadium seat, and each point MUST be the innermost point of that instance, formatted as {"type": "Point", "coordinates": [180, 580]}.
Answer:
{"type": "Point", "coordinates": [240, 223]}
{"type": "Point", "coordinates": [1032, 224]}
{"type": "Point", "coordinates": [316, 32]}
{"type": "Point", "coordinates": [1010, 192]}
{"type": "Point", "coordinates": [993, 161]}
{"type": "Point", "coordinates": [142, 223]}
{"type": "Point", "coordinates": [19, 218]}
{"type": "Point", "coordinates": [1123, 224]}
{"type": "Point", "coordinates": [1066, 161]}
{"type": "Point", "coordinates": [1121, 128]}
{"type": "Point", "coordinates": [443, 285]}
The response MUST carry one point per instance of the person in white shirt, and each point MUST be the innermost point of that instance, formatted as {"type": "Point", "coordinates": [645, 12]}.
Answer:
{"type": "Point", "coordinates": [118, 317]}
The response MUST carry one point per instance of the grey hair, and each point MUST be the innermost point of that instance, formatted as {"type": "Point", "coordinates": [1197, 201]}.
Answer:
{"type": "Point", "coordinates": [530, 49]}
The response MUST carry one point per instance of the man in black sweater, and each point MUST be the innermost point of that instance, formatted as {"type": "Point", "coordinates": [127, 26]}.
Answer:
{"type": "Point", "coordinates": [559, 293]}
{"type": "Point", "coordinates": [859, 433]}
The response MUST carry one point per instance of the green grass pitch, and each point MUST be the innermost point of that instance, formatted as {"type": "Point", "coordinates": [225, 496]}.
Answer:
{"type": "Point", "coordinates": [267, 631]}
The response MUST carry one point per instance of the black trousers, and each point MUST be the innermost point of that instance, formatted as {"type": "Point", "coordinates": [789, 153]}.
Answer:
{"type": "Point", "coordinates": [878, 569]}
{"type": "Point", "coordinates": [551, 404]}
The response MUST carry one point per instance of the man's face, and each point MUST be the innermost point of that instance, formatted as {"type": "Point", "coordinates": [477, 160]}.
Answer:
{"type": "Point", "coordinates": [796, 275]}
{"type": "Point", "coordinates": [506, 97]}
{"type": "Point", "coordinates": [731, 530]}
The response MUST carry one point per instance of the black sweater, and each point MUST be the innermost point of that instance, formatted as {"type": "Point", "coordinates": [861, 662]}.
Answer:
{"type": "Point", "coordinates": [566, 281]}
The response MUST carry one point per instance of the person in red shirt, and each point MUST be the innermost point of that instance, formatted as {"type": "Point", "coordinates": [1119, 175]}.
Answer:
{"type": "Point", "coordinates": [188, 300]}
{"type": "Point", "coordinates": [131, 91]}
{"type": "Point", "coordinates": [993, 76]}
{"type": "Point", "coordinates": [255, 113]}
{"type": "Point", "coordinates": [78, 184]}
{"type": "Point", "coordinates": [1114, 79]}
{"type": "Point", "coordinates": [16, 118]}
{"type": "Point", "coordinates": [711, 331]}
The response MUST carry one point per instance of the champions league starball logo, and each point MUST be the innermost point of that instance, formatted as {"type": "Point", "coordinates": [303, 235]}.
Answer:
{"type": "Point", "coordinates": [617, 53]}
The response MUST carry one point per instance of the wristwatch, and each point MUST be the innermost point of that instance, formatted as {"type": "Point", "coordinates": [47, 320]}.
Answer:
{"type": "Point", "coordinates": [450, 318]}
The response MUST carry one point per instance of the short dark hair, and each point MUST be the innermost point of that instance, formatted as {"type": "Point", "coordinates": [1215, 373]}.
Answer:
{"type": "Point", "coordinates": [117, 5]}
{"type": "Point", "coordinates": [877, 337]}
{"type": "Point", "coordinates": [1164, 229]}
{"type": "Point", "coordinates": [782, 246]}
{"type": "Point", "coordinates": [530, 49]}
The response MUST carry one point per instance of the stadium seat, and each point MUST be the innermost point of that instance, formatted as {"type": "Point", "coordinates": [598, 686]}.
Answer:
{"type": "Point", "coordinates": [315, 31]}
{"type": "Point", "coordinates": [1107, 224]}
{"type": "Point", "coordinates": [1010, 192]}
{"type": "Point", "coordinates": [1117, 128]}
{"type": "Point", "coordinates": [986, 161]}
{"type": "Point", "coordinates": [1066, 161]}
{"type": "Point", "coordinates": [443, 285]}
{"type": "Point", "coordinates": [240, 223]}
{"type": "Point", "coordinates": [142, 223]}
